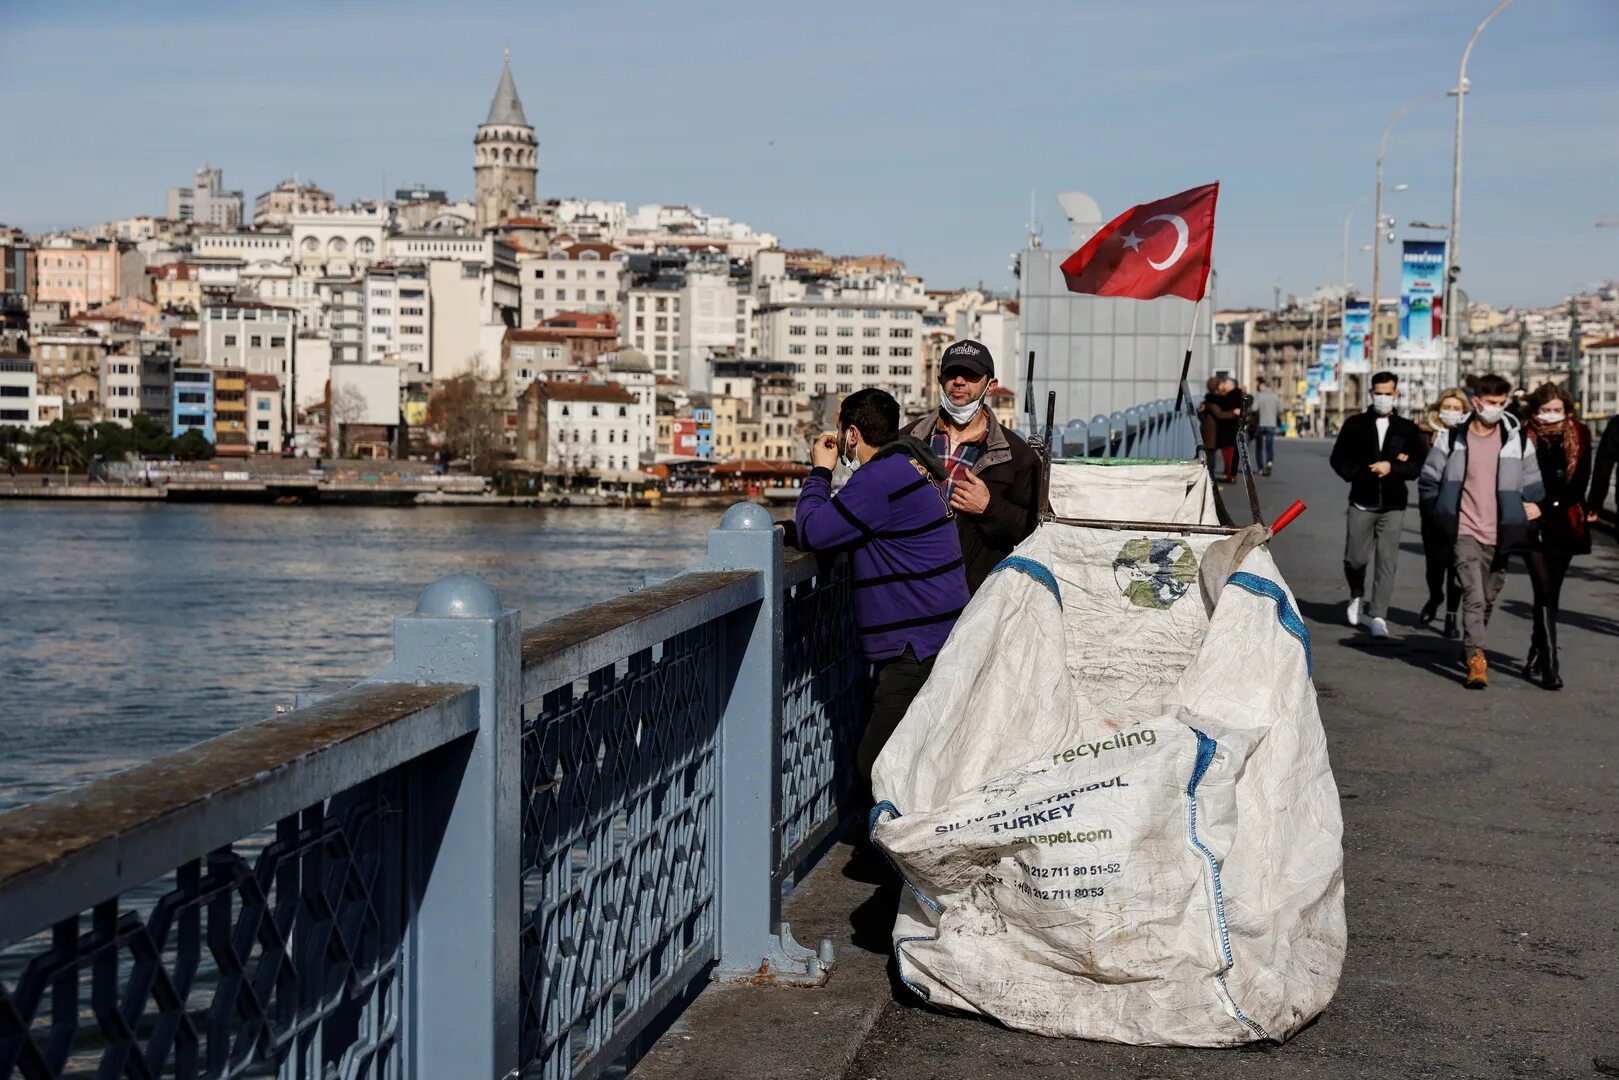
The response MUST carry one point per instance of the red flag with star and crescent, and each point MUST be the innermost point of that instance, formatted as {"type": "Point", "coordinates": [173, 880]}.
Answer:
{"type": "Point", "coordinates": [1161, 248]}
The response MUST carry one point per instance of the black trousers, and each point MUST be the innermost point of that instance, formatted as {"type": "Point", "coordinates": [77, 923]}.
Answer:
{"type": "Point", "coordinates": [897, 683]}
{"type": "Point", "coordinates": [1439, 553]}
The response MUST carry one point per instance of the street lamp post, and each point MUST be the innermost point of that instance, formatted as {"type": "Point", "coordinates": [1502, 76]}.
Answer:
{"type": "Point", "coordinates": [1453, 249]}
{"type": "Point", "coordinates": [1378, 226]}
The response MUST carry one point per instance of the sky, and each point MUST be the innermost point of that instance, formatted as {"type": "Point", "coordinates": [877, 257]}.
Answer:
{"type": "Point", "coordinates": [911, 129]}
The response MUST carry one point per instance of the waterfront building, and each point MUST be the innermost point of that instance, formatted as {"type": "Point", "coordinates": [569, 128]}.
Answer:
{"type": "Point", "coordinates": [264, 414]}
{"type": "Point", "coordinates": [78, 276]}
{"type": "Point", "coordinates": [630, 368]}
{"type": "Point", "coordinates": [1100, 353]}
{"type": "Point", "coordinates": [398, 315]}
{"type": "Point", "coordinates": [206, 201]}
{"type": "Point", "coordinates": [362, 409]}
{"type": "Point", "coordinates": [157, 377]}
{"type": "Point", "coordinates": [702, 415]}
{"type": "Point", "coordinates": [474, 302]}
{"type": "Point", "coordinates": [257, 338]}
{"type": "Point", "coordinates": [843, 334]}
{"type": "Point", "coordinates": [580, 428]}
{"type": "Point", "coordinates": [19, 391]}
{"type": "Point", "coordinates": [314, 352]}
{"type": "Point", "coordinates": [230, 412]}
{"type": "Point", "coordinates": [120, 387]}
{"type": "Point", "coordinates": [67, 359]}
{"type": "Point", "coordinates": [505, 156]}
{"type": "Point", "coordinates": [343, 306]}
{"type": "Point", "coordinates": [685, 312]}
{"type": "Point", "coordinates": [586, 277]}
{"type": "Point", "coordinates": [16, 277]}
{"type": "Point", "coordinates": [276, 206]}
{"type": "Point", "coordinates": [769, 390]}
{"type": "Point", "coordinates": [193, 407]}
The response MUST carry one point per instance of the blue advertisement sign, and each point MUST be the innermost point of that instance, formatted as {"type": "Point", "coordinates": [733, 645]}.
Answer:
{"type": "Point", "coordinates": [1328, 366]}
{"type": "Point", "coordinates": [1422, 277]}
{"type": "Point", "coordinates": [1357, 338]}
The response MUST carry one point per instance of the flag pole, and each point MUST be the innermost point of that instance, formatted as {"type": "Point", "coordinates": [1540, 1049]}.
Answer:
{"type": "Point", "coordinates": [1186, 361]}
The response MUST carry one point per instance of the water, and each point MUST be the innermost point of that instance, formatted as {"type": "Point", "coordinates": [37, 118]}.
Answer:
{"type": "Point", "coordinates": [130, 630]}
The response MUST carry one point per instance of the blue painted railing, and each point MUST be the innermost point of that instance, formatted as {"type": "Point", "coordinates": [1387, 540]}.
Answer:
{"type": "Point", "coordinates": [508, 853]}
{"type": "Point", "coordinates": [1151, 431]}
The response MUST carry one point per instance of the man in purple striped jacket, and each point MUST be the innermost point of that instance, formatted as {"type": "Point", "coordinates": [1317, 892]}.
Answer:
{"type": "Point", "coordinates": [894, 520]}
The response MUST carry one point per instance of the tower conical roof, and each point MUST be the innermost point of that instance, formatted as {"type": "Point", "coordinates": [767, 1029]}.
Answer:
{"type": "Point", "coordinates": [507, 107]}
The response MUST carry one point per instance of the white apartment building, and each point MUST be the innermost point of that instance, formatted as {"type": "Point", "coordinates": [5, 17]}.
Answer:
{"type": "Point", "coordinates": [631, 370]}
{"type": "Point", "coordinates": [582, 427]}
{"type": "Point", "coordinates": [120, 387]}
{"type": "Point", "coordinates": [253, 337]}
{"type": "Point", "coordinates": [1598, 392]}
{"type": "Point", "coordinates": [206, 201]}
{"type": "Point", "coordinates": [684, 321]}
{"type": "Point", "coordinates": [19, 392]}
{"type": "Point", "coordinates": [398, 316]}
{"type": "Point", "coordinates": [587, 277]}
{"type": "Point", "coordinates": [858, 333]}
{"type": "Point", "coordinates": [470, 307]}
{"type": "Point", "coordinates": [290, 197]}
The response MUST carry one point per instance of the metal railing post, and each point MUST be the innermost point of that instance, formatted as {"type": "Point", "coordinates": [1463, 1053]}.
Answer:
{"type": "Point", "coordinates": [462, 948]}
{"type": "Point", "coordinates": [753, 942]}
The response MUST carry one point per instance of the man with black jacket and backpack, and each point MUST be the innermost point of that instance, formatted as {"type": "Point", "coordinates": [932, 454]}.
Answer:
{"type": "Point", "coordinates": [994, 476]}
{"type": "Point", "coordinates": [1378, 452]}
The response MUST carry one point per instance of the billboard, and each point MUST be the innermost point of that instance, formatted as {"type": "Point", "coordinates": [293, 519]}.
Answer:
{"type": "Point", "coordinates": [1422, 276]}
{"type": "Point", "coordinates": [1357, 332]}
{"type": "Point", "coordinates": [1312, 385]}
{"type": "Point", "coordinates": [1328, 363]}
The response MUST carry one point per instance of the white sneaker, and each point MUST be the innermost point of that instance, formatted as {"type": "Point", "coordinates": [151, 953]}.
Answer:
{"type": "Point", "coordinates": [1354, 612]}
{"type": "Point", "coordinates": [1378, 628]}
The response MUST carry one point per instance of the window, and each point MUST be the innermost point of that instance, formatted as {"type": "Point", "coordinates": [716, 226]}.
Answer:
{"type": "Point", "coordinates": [601, 275]}
{"type": "Point", "coordinates": [820, 350]}
{"type": "Point", "coordinates": [661, 304]}
{"type": "Point", "coordinates": [539, 294]}
{"type": "Point", "coordinates": [612, 436]}
{"type": "Point", "coordinates": [871, 350]}
{"type": "Point", "coordinates": [845, 350]}
{"type": "Point", "coordinates": [871, 369]}
{"type": "Point", "coordinates": [845, 331]}
{"type": "Point", "coordinates": [845, 369]}
{"type": "Point", "coordinates": [579, 294]}
{"type": "Point", "coordinates": [623, 410]}
{"type": "Point", "coordinates": [256, 341]}
{"type": "Point", "coordinates": [820, 331]}
{"type": "Point", "coordinates": [593, 432]}
{"type": "Point", "coordinates": [562, 294]}
{"type": "Point", "coordinates": [263, 425]}
{"type": "Point", "coordinates": [230, 339]}
{"type": "Point", "coordinates": [797, 331]}
{"type": "Point", "coordinates": [899, 350]}
{"type": "Point", "coordinates": [898, 369]}
{"type": "Point", "coordinates": [820, 369]}
{"type": "Point", "coordinates": [264, 405]}
{"type": "Point", "coordinates": [795, 350]}
{"type": "Point", "coordinates": [871, 331]}
{"type": "Point", "coordinates": [595, 410]}
{"type": "Point", "coordinates": [872, 313]}
{"type": "Point", "coordinates": [900, 331]}
{"type": "Point", "coordinates": [278, 343]}
{"type": "Point", "coordinates": [601, 294]}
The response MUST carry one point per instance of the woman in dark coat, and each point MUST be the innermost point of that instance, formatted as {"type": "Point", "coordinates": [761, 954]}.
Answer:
{"type": "Point", "coordinates": [1563, 449]}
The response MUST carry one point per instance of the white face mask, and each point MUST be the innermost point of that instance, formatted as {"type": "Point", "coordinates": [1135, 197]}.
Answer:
{"type": "Point", "coordinates": [1383, 403]}
{"type": "Point", "coordinates": [1451, 417]}
{"type": "Point", "coordinates": [1490, 414]}
{"type": "Point", "coordinates": [961, 414]}
{"type": "Point", "coordinates": [1549, 417]}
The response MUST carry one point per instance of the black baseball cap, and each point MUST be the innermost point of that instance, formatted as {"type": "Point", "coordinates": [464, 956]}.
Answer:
{"type": "Point", "coordinates": [969, 355]}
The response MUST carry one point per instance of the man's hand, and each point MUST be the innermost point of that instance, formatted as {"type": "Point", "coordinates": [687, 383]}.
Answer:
{"type": "Point", "coordinates": [824, 450]}
{"type": "Point", "coordinates": [1532, 511]}
{"type": "Point", "coordinates": [970, 494]}
{"type": "Point", "coordinates": [1591, 517]}
{"type": "Point", "coordinates": [1381, 468]}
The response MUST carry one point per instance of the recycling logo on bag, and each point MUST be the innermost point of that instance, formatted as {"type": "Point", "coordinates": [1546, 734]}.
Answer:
{"type": "Point", "coordinates": [1154, 573]}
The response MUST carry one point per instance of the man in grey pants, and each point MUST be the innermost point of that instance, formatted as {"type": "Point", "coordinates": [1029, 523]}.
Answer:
{"type": "Point", "coordinates": [1378, 452]}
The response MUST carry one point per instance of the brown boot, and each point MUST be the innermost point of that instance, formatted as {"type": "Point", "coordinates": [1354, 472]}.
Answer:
{"type": "Point", "coordinates": [1478, 672]}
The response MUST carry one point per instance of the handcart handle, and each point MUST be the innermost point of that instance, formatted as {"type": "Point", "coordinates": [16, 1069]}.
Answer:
{"type": "Point", "coordinates": [1287, 517]}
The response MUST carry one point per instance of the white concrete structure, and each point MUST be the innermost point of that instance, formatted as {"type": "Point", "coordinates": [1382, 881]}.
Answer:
{"type": "Point", "coordinates": [842, 337]}
{"type": "Point", "coordinates": [19, 392]}
{"type": "Point", "coordinates": [469, 321]}
{"type": "Point", "coordinates": [253, 337]}
{"type": "Point", "coordinates": [1598, 392]}
{"type": "Point", "coordinates": [586, 277]}
{"type": "Point", "coordinates": [314, 368]}
{"type": "Point", "coordinates": [1101, 353]}
{"type": "Point", "coordinates": [590, 427]}
{"type": "Point", "coordinates": [365, 394]}
{"type": "Point", "coordinates": [631, 370]}
{"type": "Point", "coordinates": [398, 316]}
{"type": "Point", "coordinates": [120, 387]}
{"type": "Point", "coordinates": [206, 201]}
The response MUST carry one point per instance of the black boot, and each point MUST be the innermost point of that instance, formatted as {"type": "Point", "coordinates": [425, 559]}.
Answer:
{"type": "Point", "coordinates": [1450, 625]}
{"type": "Point", "coordinates": [1534, 663]}
{"type": "Point", "coordinates": [1549, 677]}
{"type": "Point", "coordinates": [1429, 610]}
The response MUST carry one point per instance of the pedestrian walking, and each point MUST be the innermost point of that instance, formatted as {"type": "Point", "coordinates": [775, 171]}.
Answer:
{"type": "Point", "coordinates": [1438, 549]}
{"type": "Point", "coordinates": [994, 477]}
{"type": "Point", "coordinates": [1563, 451]}
{"type": "Point", "coordinates": [1483, 484]}
{"type": "Point", "coordinates": [894, 519]}
{"type": "Point", "coordinates": [1378, 452]}
{"type": "Point", "coordinates": [1268, 411]}
{"type": "Point", "coordinates": [1607, 457]}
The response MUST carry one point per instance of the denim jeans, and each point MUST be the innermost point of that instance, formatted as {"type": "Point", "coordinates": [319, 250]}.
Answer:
{"type": "Point", "coordinates": [1265, 447]}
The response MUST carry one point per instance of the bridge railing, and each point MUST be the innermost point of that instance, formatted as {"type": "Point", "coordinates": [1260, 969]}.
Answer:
{"type": "Point", "coordinates": [508, 853]}
{"type": "Point", "coordinates": [1154, 430]}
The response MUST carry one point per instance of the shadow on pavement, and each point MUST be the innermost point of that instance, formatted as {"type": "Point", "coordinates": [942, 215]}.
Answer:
{"type": "Point", "coordinates": [1595, 624]}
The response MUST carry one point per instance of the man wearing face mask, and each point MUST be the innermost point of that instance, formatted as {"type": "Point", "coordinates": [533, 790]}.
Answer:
{"type": "Point", "coordinates": [1483, 485]}
{"type": "Point", "coordinates": [994, 476]}
{"type": "Point", "coordinates": [1378, 452]}
{"type": "Point", "coordinates": [894, 519]}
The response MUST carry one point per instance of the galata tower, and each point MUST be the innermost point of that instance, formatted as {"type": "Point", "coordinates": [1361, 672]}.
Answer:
{"type": "Point", "coordinates": [504, 155]}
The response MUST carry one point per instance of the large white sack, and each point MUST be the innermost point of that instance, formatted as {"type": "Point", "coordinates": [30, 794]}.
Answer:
{"type": "Point", "coordinates": [1179, 884]}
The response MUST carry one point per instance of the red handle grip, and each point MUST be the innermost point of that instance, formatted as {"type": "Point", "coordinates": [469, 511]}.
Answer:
{"type": "Point", "coordinates": [1287, 517]}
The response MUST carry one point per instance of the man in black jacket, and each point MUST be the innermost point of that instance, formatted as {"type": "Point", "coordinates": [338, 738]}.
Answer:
{"type": "Point", "coordinates": [994, 476]}
{"type": "Point", "coordinates": [1378, 452]}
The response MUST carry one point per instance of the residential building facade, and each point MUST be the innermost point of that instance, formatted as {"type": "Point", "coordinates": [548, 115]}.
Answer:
{"type": "Point", "coordinates": [206, 201]}
{"type": "Point", "coordinates": [79, 277]}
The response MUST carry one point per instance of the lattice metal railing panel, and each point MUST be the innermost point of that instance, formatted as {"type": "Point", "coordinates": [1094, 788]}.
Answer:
{"type": "Point", "coordinates": [619, 859]}
{"type": "Point", "coordinates": [823, 709]}
{"type": "Point", "coordinates": [277, 955]}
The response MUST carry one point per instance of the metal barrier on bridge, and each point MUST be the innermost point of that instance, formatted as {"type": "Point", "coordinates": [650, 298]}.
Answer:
{"type": "Point", "coordinates": [1154, 431]}
{"type": "Point", "coordinates": [506, 854]}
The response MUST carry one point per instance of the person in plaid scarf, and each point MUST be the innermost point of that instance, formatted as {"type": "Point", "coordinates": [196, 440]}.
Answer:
{"type": "Point", "coordinates": [994, 476]}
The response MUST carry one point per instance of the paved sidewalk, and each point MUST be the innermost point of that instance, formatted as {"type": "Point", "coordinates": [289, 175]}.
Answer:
{"type": "Point", "coordinates": [1481, 845]}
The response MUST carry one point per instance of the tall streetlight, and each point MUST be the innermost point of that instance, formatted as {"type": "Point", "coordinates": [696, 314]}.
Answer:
{"type": "Point", "coordinates": [1453, 269]}
{"type": "Point", "coordinates": [1343, 303]}
{"type": "Point", "coordinates": [1379, 224]}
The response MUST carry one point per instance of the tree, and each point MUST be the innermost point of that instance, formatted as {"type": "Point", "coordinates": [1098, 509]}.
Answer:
{"type": "Point", "coordinates": [13, 446]}
{"type": "Point", "coordinates": [348, 407]}
{"type": "Point", "coordinates": [151, 437]}
{"type": "Point", "coordinates": [193, 446]}
{"type": "Point", "coordinates": [471, 412]}
{"type": "Point", "coordinates": [108, 441]}
{"type": "Point", "coordinates": [58, 445]}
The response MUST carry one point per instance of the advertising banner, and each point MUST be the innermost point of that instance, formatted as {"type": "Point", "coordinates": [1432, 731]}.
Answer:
{"type": "Point", "coordinates": [1328, 365]}
{"type": "Point", "coordinates": [1357, 338]}
{"type": "Point", "coordinates": [1312, 386]}
{"type": "Point", "coordinates": [1422, 277]}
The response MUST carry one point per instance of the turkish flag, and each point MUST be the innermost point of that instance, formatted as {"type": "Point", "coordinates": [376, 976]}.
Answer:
{"type": "Point", "coordinates": [1156, 249]}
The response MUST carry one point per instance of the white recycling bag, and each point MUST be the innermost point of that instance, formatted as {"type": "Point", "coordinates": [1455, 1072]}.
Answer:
{"type": "Point", "coordinates": [1113, 808]}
